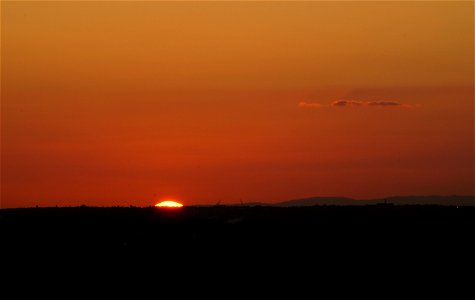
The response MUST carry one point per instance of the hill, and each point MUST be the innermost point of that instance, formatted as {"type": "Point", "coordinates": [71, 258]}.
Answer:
{"type": "Point", "coordinates": [396, 200]}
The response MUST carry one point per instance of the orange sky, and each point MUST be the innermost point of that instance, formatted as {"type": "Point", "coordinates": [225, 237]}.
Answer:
{"type": "Point", "coordinates": [111, 103]}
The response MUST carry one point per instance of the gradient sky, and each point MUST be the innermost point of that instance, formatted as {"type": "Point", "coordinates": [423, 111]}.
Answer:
{"type": "Point", "coordinates": [113, 103]}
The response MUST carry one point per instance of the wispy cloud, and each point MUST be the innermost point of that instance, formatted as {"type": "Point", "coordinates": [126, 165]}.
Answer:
{"type": "Point", "coordinates": [309, 105]}
{"type": "Point", "coordinates": [343, 103]}
{"type": "Point", "coordinates": [384, 103]}
{"type": "Point", "coordinates": [355, 103]}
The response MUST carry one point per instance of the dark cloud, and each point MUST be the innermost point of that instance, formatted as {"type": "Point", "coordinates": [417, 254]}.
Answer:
{"type": "Point", "coordinates": [343, 103]}
{"type": "Point", "coordinates": [356, 103]}
{"type": "Point", "coordinates": [384, 103]}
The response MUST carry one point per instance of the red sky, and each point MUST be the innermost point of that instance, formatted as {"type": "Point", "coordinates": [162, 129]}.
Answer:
{"type": "Point", "coordinates": [113, 103]}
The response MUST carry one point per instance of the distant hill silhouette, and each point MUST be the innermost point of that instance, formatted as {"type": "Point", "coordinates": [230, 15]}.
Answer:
{"type": "Point", "coordinates": [396, 200]}
{"type": "Point", "coordinates": [431, 200]}
{"type": "Point", "coordinates": [318, 201]}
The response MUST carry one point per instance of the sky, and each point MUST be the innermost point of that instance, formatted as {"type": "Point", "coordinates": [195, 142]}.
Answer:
{"type": "Point", "coordinates": [130, 103]}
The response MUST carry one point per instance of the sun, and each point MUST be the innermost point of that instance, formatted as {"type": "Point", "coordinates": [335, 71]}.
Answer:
{"type": "Point", "coordinates": [169, 204]}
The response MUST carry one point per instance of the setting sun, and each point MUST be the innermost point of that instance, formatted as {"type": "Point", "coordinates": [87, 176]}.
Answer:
{"type": "Point", "coordinates": [169, 204]}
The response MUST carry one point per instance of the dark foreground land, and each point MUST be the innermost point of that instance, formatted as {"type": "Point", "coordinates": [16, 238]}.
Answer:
{"type": "Point", "coordinates": [376, 228]}
{"type": "Point", "coordinates": [349, 241]}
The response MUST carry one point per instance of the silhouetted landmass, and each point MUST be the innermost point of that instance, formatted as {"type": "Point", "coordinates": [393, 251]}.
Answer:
{"type": "Point", "coordinates": [120, 228]}
{"type": "Point", "coordinates": [403, 200]}
{"type": "Point", "coordinates": [431, 200]}
{"type": "Point", "coordinates": [334, 243]}
{"type": "Point", "coordinates": [319, 201]}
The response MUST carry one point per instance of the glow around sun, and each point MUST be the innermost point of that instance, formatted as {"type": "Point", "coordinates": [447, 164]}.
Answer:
{"type": "Point", "coordinates": [169, 204]}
